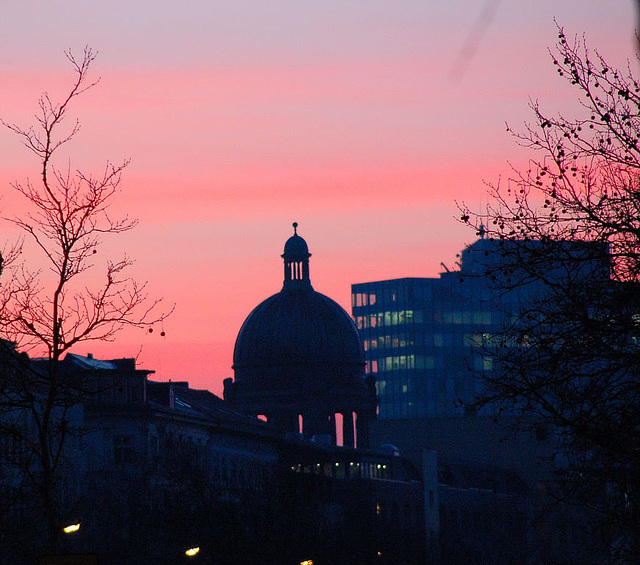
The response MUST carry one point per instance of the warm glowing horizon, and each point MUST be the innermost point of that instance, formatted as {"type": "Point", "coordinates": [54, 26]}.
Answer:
{"type": "Point", "coordinates": [363, 122]}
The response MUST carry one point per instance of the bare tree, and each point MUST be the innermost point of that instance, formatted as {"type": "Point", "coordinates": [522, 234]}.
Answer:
{"type": "Point", "coordinates": [53, 310]}
{"type": "Point", "coordinates": [568, 230]}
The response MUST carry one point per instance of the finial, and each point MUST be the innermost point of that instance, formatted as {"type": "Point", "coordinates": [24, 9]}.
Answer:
{"type": "Point", "coordinates": [295, 228]}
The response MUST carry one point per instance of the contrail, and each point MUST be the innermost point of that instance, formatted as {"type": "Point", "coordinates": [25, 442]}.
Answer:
{"type": "Point", "coordinates": [470, 46]}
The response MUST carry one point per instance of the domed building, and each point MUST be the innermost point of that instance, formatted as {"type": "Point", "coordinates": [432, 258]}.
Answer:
{"type": "Point", "coordinates": [298, 361]}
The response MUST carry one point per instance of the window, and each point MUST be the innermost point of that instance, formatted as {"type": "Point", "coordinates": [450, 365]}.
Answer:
{"type": "Point", "coordinates": [422, 362]}
{"type": "Point", "coordinates": [361, 299]}
{"type": "Point", "coordinates": [122, 449]}
{"type": "Point", "coordinates": [154, 446]}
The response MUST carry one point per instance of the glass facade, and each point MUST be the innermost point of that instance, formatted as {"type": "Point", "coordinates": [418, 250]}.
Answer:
{"type": "Point", "coordinates": [425, 339]}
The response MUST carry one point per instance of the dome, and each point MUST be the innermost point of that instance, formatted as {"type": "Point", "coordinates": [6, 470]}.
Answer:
{"type": "Point", "coordinates": [299, 362]}
{"type": "Point", "coordinates": [297, 329]}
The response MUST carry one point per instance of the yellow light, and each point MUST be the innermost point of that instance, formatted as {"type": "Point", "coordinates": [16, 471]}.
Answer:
{"type": "Point", "coordinates": [192, 552]}
{"type": "Point", "coordinates": [307, 562]}
{"type": "Point", "coordinates": [71, 528]}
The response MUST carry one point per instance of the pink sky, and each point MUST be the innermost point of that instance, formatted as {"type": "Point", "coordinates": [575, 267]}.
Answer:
{"type": "Point", "coordinates": [352, 118]}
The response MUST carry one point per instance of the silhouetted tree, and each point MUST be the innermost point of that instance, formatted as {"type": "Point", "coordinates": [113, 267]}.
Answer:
{"type": "Point", "coordinates": [567, 232]}
{"type": "Point", "coordinates": [51, 311]}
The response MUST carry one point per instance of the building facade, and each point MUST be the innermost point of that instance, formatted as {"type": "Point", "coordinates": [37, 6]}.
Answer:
{"type": "Point", "coordinates": [428, 341]}
{"type": "Point", "coordinates": [419, 336]}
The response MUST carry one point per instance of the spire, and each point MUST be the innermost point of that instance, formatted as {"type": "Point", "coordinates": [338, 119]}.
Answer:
{"type": "Point", "coordinates": [296, 262]}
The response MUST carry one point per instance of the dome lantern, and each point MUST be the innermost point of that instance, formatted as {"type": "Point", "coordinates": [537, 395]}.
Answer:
{"type": "Point", "coordinates": [296, 262]}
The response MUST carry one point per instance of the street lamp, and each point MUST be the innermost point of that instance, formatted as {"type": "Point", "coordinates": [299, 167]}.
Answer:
{"type": "Point", "coordinates": [71, 528]}
{"type": "Point", "coordinates": [192, 551]}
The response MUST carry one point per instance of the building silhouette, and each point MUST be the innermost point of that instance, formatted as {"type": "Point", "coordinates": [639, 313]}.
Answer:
{"type": "Point", "coordinates": [298, 361]}
{"type": "Point", "coordinates": [292, 464]}
{"type": "Point", "coordinates": [150, 469]}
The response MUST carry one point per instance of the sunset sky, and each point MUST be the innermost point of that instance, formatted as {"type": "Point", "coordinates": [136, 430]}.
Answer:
{"type": "Point", "coordinates": [364, 121]}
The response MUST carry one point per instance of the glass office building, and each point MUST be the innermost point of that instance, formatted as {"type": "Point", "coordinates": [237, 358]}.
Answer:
{"type": "Point", "coordinates": [418, 335]}
{"type": "Point", "coordinates": [425, 338]}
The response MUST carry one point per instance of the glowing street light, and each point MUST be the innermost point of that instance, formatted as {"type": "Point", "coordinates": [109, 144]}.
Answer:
{"type": "Point", "coordinates": [192, 551]}
{"type": "Point", "coordinates": [307, 562]}
{"type": "Point", "coordinates": [71, 528]}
